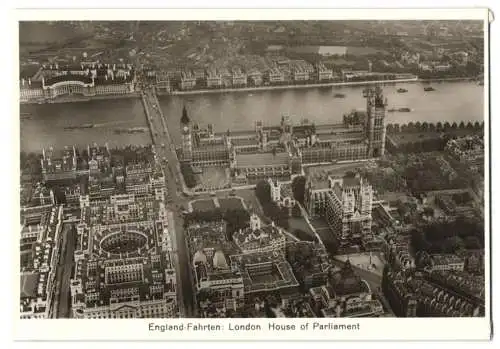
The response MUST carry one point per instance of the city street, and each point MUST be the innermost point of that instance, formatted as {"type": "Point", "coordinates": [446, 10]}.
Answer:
{"type": "Point", "coordinates": [166, 153]}
{"type": "Point", "coordinates": [62, 306]}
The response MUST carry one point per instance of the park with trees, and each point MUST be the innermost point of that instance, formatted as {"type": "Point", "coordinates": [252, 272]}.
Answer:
{"type": "Point", "coordinates": [463, 233]}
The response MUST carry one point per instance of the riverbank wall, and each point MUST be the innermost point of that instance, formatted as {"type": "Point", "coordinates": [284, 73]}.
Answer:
{"type": "Point", "coordinates": [290, 87]}
{"type": "Point", "coordinates": [77, 99]}
{"type": "Point", "coordinates": [309, 86]}
{"type": "Point", "coordinates": [306, 86]}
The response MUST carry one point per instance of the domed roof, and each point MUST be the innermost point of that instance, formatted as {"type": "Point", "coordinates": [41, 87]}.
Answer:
{"type": "Point", "coordinates": [219, 260]}
{"type": "Point", "coordinates": [199, 257]}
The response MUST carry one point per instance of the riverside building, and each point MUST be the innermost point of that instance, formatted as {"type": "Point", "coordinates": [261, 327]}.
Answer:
{"type": "Point", "coordinates": [55, 168]}
{"type": "Point", "coordinates": [239, 77]}
{"type": "Point", "coordinates": [188, 80]}
{"type": "Point", "coordinates": [280, 151]}
{"type": "Point", "coordinates": [323, 73]}
{"type": "Point", "coordinates": [53, 82]}
{"type": "Point", "coordinates": [214, 78]}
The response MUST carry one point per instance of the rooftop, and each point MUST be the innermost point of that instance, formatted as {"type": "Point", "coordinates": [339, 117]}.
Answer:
{"type": "Point", "coordinates": [441, 259]}
{"type": "Point", "coordinates": [264, 271]}
{"type": "Point", "coordinates": [248, 239]}
{"type": "Point", "coordinates": [105, 281]}
{"type": "Point", "coordinates": [29, 284]}
{"type": "Point", "coordinates": [261, 159]}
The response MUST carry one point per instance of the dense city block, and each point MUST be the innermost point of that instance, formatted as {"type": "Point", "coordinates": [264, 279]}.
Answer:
{"type": "Point", "coordinates": [363, 213]}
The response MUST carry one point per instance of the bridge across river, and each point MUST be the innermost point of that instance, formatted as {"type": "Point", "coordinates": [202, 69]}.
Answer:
{"type": "Point", "coordinates": [165, 150]}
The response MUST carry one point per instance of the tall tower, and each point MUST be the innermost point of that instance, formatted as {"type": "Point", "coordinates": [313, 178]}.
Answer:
{"type": "Point", "coordinates": [254, 222]}
{"type": "Point", "coordinates": [187, 139]}
{"type": "Point", "coordinates": [375, 121]}
{"type": "Point", "coordinates": [286, 128]}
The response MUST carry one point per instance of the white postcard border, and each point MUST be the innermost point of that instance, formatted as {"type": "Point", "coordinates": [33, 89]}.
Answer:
{"type": "Point", "coordinates": [139, 329]}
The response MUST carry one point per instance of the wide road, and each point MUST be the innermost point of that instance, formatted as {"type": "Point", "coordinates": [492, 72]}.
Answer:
{"type": "Point", "coordinates": [165, 149]}
{"type": "Point", "coordinates": [64, 270]}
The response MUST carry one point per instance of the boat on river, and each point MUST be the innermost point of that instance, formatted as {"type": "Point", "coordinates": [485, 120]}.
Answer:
{"type": "Point", "coordinates": [339, 95]}
{"type": "Point", "coordinates": [402, 90]}
{"type": "Point", "coordinates": [429, 88]}
{"type": "Point", "coordinates": [130, 130]}
{"type": "Point", "coordinates": [78, 127]}
{"type": "Point", "coordinates": [404, 110]}
{"type": "Point", "coordinates": [401, 110]}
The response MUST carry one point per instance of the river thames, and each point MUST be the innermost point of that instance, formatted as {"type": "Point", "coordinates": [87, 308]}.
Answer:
{"type": "Point", "coordinates": [47, 125]}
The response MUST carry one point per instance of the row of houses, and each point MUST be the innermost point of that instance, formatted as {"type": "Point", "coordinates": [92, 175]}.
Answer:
{"type": "Point", "coordinates": [293, 71]}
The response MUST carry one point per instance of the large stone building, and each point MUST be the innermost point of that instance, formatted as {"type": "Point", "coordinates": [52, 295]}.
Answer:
{"type": "Point", "coordinates": [259, 238]}
{"type": "Point", "coordinates": [55, 168]}
{"type": "Point", "coordinates": [280, 151]}
{"type": "Point", "coordinates": [123, 261]}
{"type": "Point", "coordinates": [41, 227]}
{"type": "Point", "coordinates": [86, 80]}
{"type": "Point", "coordinates": [219, 290]}
{"type": "Point", "coordinates": [346, 205]}
{"type": "Point", "coordinates": [345, 295]}
{"type": "Point", "coordinates": [264, 274]}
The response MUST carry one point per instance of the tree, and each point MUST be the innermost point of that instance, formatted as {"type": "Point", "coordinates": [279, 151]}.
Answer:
{"type": "Point", "coordinates": [296, 211]}
{"type": "Point", "coordinates": [446, 126]}
{"type": "Point", "coordinates": [454, 126]}
{"type": "Point", "coordinates": [236, 219]}
{"type": "Point", "coordinates": [470, 126]}
{"type": "Point", "coordinates": [425, 126]}
{"type": "Point", "coordinates": [185, 118]}
{"type": "Point", "coordinates": [477, 125]}
{"type": "Point", "coordinates": [439, 126]}
{"type": "Point", "coordinates": [298, 188]}
{"type": "Point", "coordinates": [263, 192]}
{"type": "Point", "coordinates": [282, 219]}
{"type": "Point", "coordinates": [429, 211]}
{"type": "Point", "coordinates": [472, 243]}
{"type": "Point", "coordinates": [462, 125]}
{"type": "Point", "coordinates": [418, 126]}
{"type": "Point", "coordinates": [452, 244]}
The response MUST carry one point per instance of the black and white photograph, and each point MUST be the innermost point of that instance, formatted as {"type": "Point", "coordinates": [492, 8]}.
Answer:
{"type": "Point", "coordinates": [203, 174]}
